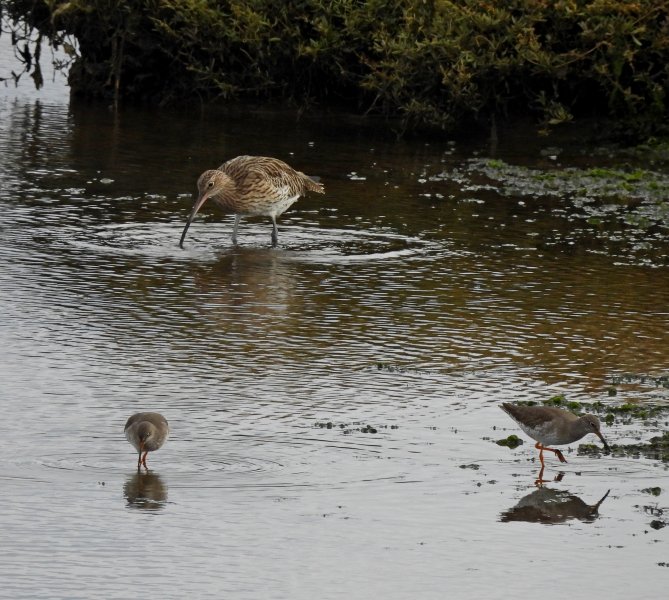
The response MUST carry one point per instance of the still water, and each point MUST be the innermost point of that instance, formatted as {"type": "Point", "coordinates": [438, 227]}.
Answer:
{"type": "Point", "coordinates": [409, 298]}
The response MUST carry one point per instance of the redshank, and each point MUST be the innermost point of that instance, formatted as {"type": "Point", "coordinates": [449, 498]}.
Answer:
{"type": "Point", "coordinates": [548, 425]}
{"type": "Point", "coordinates": [147, 432]}
{"type": "Point", "coordinates": [252, 186]}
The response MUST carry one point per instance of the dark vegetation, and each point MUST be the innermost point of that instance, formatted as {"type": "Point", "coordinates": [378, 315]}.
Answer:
{"type": "Point", "coordinates": [513, 441]}
{"type": "Point", "coordinates": [433, 63]}
{"type": "Point", "coordinates": [624, 413]}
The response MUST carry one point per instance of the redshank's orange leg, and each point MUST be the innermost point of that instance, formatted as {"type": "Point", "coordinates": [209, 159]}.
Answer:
{"type": "Point", "coordinates": [540, 479]}
{"type": "Point", "coordinates": [144, 460]}
{"type": "Point", "coordinates": [559, 455]}
{"type": "Point", "coordinates": [542, 448]}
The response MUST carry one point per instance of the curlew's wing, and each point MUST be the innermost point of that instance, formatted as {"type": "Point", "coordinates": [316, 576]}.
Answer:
{"type": "Point", "coordinates": [264, 176]}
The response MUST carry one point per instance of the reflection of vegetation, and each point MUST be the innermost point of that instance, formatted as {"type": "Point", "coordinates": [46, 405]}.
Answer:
{"type": "Point", "coordinates": [434, 62]}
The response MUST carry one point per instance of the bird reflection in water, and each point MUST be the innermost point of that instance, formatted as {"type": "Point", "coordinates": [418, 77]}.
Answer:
{"type": "Point", "coordinates": [249, 277]}
{"type": "Point", "coordinates": [539, 481]}
{"type": "Point", "coordinates": [145, 491]}
{"type": "Point", "coordinates": [550, 507]}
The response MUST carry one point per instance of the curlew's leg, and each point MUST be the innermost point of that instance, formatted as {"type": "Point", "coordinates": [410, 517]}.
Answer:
{"type": "Point", "coordinates": [275, 232]}
{"type": "Point", "coordinates": [144, 460]}
{"type": "Point", "coordinates": [234, 229]}
{"type": "Point", "coordinates": [555, 450]}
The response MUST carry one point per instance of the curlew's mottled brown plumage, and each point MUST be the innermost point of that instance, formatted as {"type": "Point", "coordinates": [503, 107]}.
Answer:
{"type": "Point", "coordinates": [147, 432]}
{"type": "Point", "coordinates": [254, 186]}
{"type": "Point", "coordinates": [548, 426]}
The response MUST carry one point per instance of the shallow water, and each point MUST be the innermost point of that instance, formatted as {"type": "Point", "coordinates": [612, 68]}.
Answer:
{"type": "Point", "coordinates": [404, 299]}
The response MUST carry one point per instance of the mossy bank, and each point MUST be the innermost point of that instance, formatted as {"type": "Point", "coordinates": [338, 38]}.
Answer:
{"type": "Point", "coordinates": [430, 63]}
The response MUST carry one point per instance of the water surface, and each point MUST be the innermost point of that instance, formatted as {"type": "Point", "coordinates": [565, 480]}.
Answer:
{"type": "Point", "coordinates": [409, 298]}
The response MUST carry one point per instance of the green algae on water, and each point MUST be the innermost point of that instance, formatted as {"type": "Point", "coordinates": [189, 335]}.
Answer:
{"type": "Point", "coordinates": [657, 448]}
{"type": "Point", "coordinates": [513, 441]}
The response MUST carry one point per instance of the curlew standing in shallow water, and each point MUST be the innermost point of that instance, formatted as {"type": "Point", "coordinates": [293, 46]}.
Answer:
{"type": "Point", "coordinates": [147, 432]}
{"type": "Point", "coordinates": [252, 186]}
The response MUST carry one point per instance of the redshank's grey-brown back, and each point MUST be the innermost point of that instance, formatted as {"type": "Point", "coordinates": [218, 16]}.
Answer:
{"type": "Point", "coordinates": [147, 432]}
{"type": "Point", "coordinates": [548, 426]}
{"type": "Point", "coordinates": [252, 186]}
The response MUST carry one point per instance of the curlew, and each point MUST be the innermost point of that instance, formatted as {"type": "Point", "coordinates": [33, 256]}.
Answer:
{"type": "Point", "coordinates": [252, 186]}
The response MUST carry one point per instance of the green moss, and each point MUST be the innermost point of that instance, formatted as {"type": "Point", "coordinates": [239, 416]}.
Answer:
{"type": "Point", "coordinates": [350, 428]}
{"type": "Point", "coordinates": [599, 173]}
{"type": "Point", "coordinates": [656, 448]}
{"type": "Point", "coordinates": [559, 400]}
{"type": "Point", "coordinates": [608, 412]}
{"type": "Point", "coordinates": [496, 164]}
{"type": "Point", "coordinates": [513, 441]}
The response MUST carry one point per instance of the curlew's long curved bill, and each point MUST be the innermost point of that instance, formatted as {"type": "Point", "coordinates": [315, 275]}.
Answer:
{"type": "Point", "coordinates": [606, 446]}
{"type": "Point", "coordinates": [197, 206]}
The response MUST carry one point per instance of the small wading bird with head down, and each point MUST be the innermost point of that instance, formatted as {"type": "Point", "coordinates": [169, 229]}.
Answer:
{"type": "Point", "coordinates": [252, 186]}
{"type": "Point", "coordinates": [147, 432]}
{"type": "Point", "coordinates": [549, 426]}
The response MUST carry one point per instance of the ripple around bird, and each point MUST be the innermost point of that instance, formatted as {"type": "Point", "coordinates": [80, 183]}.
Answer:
{"type": "Point", "coordinates": [300, 243]}
{"type": "Point", "coordinates": [235, 462]}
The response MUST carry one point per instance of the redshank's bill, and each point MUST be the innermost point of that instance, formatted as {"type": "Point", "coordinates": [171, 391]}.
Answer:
{"type": "Point", "coordinates": [252, 186]}
{"type": "Point", "coordinates": [549, 426]}
{"type": "Point", "coordinates": [147, 432]}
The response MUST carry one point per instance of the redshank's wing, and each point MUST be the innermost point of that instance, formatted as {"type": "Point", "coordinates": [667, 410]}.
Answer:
{"type": "Point", "coordinates": [156, 419]}
{"type": "Point", "coordinates": [536, 417]}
